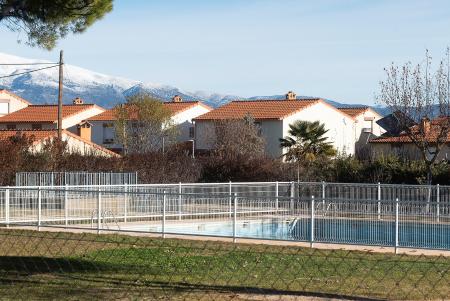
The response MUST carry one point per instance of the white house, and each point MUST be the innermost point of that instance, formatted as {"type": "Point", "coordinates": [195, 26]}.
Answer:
{"type": "Point", "coordinates": [45, 117]}
{"type": "Point", "coordinates": [365, 126]}
{"type": "Point", "coordinates": [75, 143]}
{"type": "Point", "coordinates": [274, 117]}
{"type": "Point", "coordinates": [183, 112]}
{"type": "Point", "coordinates": [10, 102]}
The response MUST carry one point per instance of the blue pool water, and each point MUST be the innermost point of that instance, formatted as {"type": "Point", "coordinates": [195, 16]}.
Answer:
{"type": "Point", "coordinates": [382, 233]}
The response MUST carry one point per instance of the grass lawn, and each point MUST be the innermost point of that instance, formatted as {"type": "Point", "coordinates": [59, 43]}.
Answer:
{"type": "Point", "coordinates": [51, 265]}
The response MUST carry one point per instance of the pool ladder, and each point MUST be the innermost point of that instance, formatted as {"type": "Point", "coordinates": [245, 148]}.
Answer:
{"type": "Point", "coordinates": [104, 215]}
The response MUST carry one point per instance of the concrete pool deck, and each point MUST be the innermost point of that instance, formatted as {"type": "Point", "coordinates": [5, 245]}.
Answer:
{"type": "Point", "coordinates": [317, 245]}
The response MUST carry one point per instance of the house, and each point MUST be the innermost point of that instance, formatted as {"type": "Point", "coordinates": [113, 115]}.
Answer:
{"type": "Point", "coordinates": [183, 112]}
{"type": "Point", "coordinates": [10, 102]}
{"type": "Point", "coordinates": [403, 146]}
{"type": "Point", "coordinates": [45, 117]}
{"type": "Point", "coordinates": [365, 125]}
{"type": "Point", "coordinates": [273, 117]}
{"type": "Point", "coordinates": [75, 143]}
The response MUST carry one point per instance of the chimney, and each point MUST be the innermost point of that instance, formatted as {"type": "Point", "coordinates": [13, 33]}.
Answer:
{"type": "Point", "coordinates": [84, 130]}
{"type": "Point", "coordinates": [78, 101]}
{"type": "Point", "coordinates": [177, 98]}
{"type": "Point", "coordinates": [425, 125]}
{"type": "Point", "coordinates": [291, 96]}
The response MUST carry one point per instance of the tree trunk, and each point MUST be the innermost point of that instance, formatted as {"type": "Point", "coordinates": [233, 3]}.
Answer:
{"type": "Point", "coordinates": [429, 173]}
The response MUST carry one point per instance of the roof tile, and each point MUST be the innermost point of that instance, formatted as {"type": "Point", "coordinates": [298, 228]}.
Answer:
{"type": "Point", "coordinates": [258, 109]}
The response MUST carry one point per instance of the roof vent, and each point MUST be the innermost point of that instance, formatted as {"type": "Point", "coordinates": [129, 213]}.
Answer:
{"type": "Point", "coordinates": [291, 96]}
{"type": "Point", "coordinates": [78, 101]}
{"type": "Point", "coordinates": [177, 98]}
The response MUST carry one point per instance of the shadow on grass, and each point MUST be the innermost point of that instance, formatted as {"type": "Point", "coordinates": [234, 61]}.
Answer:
{"type": "Point", "coordinates": [15, 269]}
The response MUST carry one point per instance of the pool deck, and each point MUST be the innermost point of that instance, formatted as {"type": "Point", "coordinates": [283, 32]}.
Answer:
{"type": "Point", "coordinates": [326, 246]}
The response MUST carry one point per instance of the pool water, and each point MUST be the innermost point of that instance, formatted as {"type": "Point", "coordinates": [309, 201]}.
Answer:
{"type": "Point", "coordinates": [344, 231]}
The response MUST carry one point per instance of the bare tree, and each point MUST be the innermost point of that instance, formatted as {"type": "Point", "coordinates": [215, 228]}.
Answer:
{"type": "Point", "coordinates": [419, 98]}
{"type": "Point", "coordinates": [239, 137]}
{"type": "Point", "coordinates": [144, 125]}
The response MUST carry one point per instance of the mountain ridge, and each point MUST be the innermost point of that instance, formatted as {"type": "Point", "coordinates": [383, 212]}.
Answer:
{"type": "Point", "coordinates": [105, 90]}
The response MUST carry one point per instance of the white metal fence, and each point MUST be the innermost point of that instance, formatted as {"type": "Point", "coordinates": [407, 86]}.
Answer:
{"type": "Point", "coordinates": [260, 211]}
{"type": "Point", "coordinates": [74, 178]}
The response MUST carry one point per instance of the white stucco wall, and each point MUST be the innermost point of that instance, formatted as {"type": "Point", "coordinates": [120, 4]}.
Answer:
{"type": "Point", "coordinates": [182, 120]}
{"type": "Point", "coordinates": [361, 123]}
{"type": "Point", "coordinates": [341, 130]}
{"type": "Point", "coordinates": [76, 145]}
{"type": "Point", "coordinates": [9, 104]}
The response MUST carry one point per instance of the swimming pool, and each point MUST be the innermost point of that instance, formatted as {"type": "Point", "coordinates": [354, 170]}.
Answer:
{"type": "Point", "coordinates": [339, 231]}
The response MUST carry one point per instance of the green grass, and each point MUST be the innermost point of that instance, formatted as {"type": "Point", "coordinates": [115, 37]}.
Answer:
{"type": "Point", "coordinates": [85, 266]}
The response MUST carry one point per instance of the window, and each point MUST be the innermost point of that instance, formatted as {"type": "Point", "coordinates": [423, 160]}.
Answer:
{"type": "Point", "coordinates": [108, 133]}
{"type": "Point", "coordinates": [36, 126]}
{"type": "Point", "coordinates": [191, 132]}
{"type": "Point", "coordinates": [11, 126]}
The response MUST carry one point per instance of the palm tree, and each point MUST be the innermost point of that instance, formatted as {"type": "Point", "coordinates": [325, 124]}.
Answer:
{"type": "Point", "coordinates": [306, 142]}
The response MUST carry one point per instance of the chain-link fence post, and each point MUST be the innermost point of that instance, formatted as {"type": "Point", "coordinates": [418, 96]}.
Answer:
{"type": "Point", "coordinates": [235, 217]}
{"type": "Point", "coordinates": [312, 223]}
{"type": "Point", "coordinates": [292, 194]}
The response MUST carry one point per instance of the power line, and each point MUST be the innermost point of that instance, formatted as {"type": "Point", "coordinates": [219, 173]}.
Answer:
{"type": "Point", "coordinates": [27, 64]}
{"type": "Point", "coordinates": [16, 74]}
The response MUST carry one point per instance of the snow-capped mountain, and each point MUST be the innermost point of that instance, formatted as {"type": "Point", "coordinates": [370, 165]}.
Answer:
{"type": "Point", "coordinates": [104, 90]}
{"type": "Point", "coordinates": [41, 87]}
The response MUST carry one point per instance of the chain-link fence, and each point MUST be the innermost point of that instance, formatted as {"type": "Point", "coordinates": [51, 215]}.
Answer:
{"type": "Point", "coordinates": [82, 266]}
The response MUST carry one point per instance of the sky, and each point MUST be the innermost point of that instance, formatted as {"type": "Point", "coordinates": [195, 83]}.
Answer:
{"type": "Point", "coordinates": [334, 49]}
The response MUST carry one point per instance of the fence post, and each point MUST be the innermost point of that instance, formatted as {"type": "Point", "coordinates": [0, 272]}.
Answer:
{"type": "Point", "coordinates": [437, 203]}
{"type": "Point", "coordinates": [125, 204]}
{"type": "Point", "coordinates": [180, 191]}
{"type": "Point", "coordinates": [379, 200]}
{"type": "Point", "coordinates": [7, 206]}
{"type": "Point", "coordinates": [235, 217]}
{"type": "Point", "coordinates": [276, 196]}
{"type": "Point", "coordinates": [99, 210]}
{"type": "Point", "coordinates": [66, 209]}
{"type": "Point", "coordinates": [323, 196]}
{"type": "Point", "coordinates": [396, 226]}
{"type": "Point", "coordinates": [39, 208]}
{"type": "Point", "coordinates": [163, 228]}
{"type": "Point", "coordinates": [292, 194]}
{"type": "Point", "coordinates": [312, 222]}
{"type": "Point", "coordinates": [230, 191]}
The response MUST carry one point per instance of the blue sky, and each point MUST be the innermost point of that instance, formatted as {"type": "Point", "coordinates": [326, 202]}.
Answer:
{"type": "Point", "coordinates": [333, 49]}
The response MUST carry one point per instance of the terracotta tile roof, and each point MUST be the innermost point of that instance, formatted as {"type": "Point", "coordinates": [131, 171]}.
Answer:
{"type": "Point", "coordinates": [354, 111]}
{"type": "Point", "coordinates": [39, 135]}
{"type": "Point", "coordinates": [431, 136]}
{"type": "Point", "coordinates": [35, 135]}
{"type": "Point", "coordinates": [258, 109]}
{"type": "Point", "coordinates": [174, 107]}
{"type": "Point", "coordinates": [43, 113]}
{"type": "Point", "coordinates": [15, 96]}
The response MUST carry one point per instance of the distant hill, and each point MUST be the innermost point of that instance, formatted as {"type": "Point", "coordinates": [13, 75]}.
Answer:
{"type": "Point", "coordinates": [42, 87]}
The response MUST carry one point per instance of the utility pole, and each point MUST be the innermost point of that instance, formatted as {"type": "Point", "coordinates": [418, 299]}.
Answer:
{"type": "Point", "coordinates": [60, 94]}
